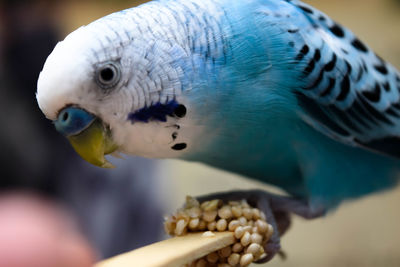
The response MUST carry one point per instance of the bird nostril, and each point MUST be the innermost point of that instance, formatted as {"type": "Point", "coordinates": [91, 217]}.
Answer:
{"type": "Point", "coordinates": [65, 116]}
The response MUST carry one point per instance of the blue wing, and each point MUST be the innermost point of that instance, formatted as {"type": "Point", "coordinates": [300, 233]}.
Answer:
{"type": "Point", "coordinates": [348, 92]}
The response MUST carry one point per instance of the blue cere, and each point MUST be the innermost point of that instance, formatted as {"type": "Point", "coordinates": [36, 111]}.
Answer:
{"type": "Point", "coordinates": [156, 112]}
{"type": "Point", "coordinates": [72, 121]}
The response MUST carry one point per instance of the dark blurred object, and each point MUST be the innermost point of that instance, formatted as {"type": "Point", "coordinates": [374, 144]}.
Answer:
{"type": "Point", "coordinates": [118, 209]}
{"type": "Point", "coordinates": [27, 38]}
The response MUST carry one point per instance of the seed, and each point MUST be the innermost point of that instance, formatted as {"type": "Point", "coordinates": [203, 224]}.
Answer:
{"type": "Point", "coordinates": [247, 213]}
{"type": "Point", "coordinates": [182, 215]}
{"type": "Point", "coordinates": [263, 217]}
{"type": "Point", "coordinates": [242, 220]}
{"type": "Point", "coordinates": [191, 202]}
{"type": "Point", "coordinates": [209, 216]}
{"type": "Point", "coordinates": [262, 226]}
{"type": "Point", "coordinates": [233, 225]}
{"type": "Point", "coordinates": [247, 228]}
{"type": "Point", "coordinates": [246, 239]}
{"type": "Point", "coordinates": [254, 249]}
{"type": "Point", "coordinates": [225, 252]}
{"type": "Point", "coordinates": [239, 232]}
{"type": "Point", "coordinates": [263, 255]}
{"type": "Point", "coordinates": [234, 259]}
{"type": "Point", "coordinates": [256, 214]}
{"type": "Point", "coordinates": [211, 226]}
{"type": "Point", "coordinates": [194, 223]}
{"type": "Point", "coordinates": [256, 238]}
{"type": "Point", "coordinates": [201, 263]}
{"type": "Point", "coordinates": [194, 212]}
{"type": "Point", "coordinates": [180, 227]}
{"type": "Point", "coordinates": [221, 225]}
{"type": "Point", "coordinates": [260, 254]}
{"type": "Point", "coordinates": [244, 203]}
{"type": "Point", "coordinates": [237, 211]}
{"type": "Point", "coordinates": [169, 225]}
{"type": "Point", "coordinates": [211, 205]}
{"type": "Point", "coordinates": [246, 259]}
{"type": "Point", "coordinates": [246, 222]}
{"type": "Point", "coordinates": [270, 231]}
{"type": "Point", "coordinates": [237, 247]}
{"type": "Point", "coordinates": [225, 212]}
{"type": "Point", "coordinates": [212, 257]}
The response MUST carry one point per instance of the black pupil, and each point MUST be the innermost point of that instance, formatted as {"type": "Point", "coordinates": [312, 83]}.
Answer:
{"type": "Point", "coordinates": [65, 116]}
{"type": "Point", "coordinates": [107, 74]}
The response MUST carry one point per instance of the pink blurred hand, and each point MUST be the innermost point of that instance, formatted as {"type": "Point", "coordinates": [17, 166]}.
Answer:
{"type": "Point", "coordinates": [37, 233]}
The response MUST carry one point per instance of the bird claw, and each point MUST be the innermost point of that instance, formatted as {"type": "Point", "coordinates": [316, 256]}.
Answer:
{"type": "Point", "coordinates": [277, 210]}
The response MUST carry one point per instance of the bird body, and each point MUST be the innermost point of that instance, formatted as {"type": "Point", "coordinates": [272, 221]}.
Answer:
{"type": "Point", "coordinates": [271, 89]}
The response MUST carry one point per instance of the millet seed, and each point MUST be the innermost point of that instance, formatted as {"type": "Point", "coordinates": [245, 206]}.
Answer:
{"type": "Point", "coordinates": [246, 259]}
{"type": "Point", "coordinates": [247, 224]}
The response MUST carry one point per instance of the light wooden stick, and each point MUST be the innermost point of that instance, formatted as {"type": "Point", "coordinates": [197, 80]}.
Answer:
{"type": "Point", "coordinates": [173, 252]}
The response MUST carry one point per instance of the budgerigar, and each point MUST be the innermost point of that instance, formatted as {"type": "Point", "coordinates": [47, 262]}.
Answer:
{"type": "Point", "coordinates": [271, 89]}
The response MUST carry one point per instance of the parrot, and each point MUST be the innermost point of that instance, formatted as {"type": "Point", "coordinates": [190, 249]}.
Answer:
{"type": "Point", "coordinates": [274, 90]}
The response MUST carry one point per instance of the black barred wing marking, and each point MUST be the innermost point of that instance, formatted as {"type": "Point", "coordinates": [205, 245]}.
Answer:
{"type": "Point", "coordinates": [349, 93]}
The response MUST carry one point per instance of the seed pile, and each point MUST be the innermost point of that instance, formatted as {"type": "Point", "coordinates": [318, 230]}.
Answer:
{"type": "Point", "coordinates": [248, 224]}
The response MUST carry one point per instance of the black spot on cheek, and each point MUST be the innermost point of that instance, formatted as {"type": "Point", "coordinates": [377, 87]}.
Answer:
{"type": "Point", "coordinates": [174, 135]}
{"type": "Point", "coordinates": [180, 146]}
{"type": "Point", "coordinates": [180, 111]}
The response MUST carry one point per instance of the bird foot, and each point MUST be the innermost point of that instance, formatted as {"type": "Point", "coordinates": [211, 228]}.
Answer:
{"type": "Point", "coordinates": [277, 210]}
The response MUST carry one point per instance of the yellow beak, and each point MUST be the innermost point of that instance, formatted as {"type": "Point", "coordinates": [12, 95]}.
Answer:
{"type": "Point", "coordinates": [93, 143]}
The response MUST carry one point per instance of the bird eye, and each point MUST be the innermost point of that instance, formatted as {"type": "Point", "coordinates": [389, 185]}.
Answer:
{"type": "Point", "coordinates": [108, 75]}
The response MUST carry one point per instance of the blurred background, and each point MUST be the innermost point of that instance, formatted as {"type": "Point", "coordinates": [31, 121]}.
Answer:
{"type": "Point", "coordinates": [119, 210]}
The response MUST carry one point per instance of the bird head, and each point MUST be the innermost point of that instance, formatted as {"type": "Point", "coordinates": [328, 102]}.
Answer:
{"type": "Point", "coordinates": [109, 88]}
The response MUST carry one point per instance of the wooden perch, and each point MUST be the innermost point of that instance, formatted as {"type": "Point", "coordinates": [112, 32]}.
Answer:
{"type": "Point", "coordinates": [173, 252]}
